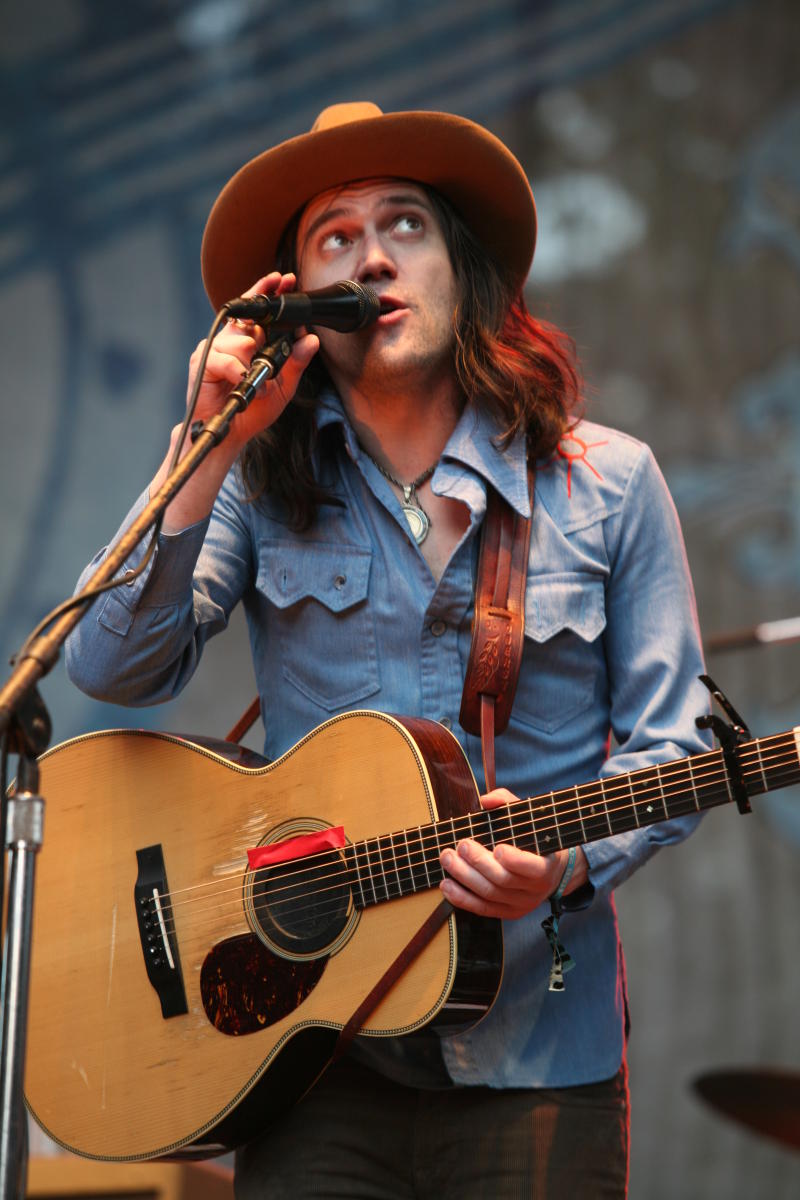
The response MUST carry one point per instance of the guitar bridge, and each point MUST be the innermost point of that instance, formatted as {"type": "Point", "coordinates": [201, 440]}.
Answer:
{"type": "Point", "coordinates": [157, 932]}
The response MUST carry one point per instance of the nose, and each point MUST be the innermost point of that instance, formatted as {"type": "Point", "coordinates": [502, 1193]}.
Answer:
{"type": "Point", "coordinates": [376, 260]}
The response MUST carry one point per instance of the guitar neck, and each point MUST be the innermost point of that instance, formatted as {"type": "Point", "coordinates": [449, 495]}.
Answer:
{"type": "Point", "coordinates": [397, 864]}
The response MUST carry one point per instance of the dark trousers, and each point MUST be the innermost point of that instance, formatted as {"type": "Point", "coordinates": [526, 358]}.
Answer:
{"type": "Point", "coordinates": [358, 1136]}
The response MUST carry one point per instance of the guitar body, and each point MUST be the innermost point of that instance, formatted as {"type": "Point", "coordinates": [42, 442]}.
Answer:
{"type": "Point", "coordinates": [175, 1012]}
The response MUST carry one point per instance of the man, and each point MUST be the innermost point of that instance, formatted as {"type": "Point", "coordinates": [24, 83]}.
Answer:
{"type": "Point", "coordinates": [349, 530]}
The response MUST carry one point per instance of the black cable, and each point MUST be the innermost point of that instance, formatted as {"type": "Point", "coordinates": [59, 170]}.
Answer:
{"type": "Point", "coordinates": [89, 594]}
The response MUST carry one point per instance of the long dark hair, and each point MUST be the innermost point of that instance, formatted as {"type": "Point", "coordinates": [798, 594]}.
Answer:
{"type": "Point", "coordinates": [522, 370]}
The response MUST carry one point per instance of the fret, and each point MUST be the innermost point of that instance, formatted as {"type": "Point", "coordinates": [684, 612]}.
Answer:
{"type": "Point", "coordinates": [351, 858]}
{"type": "Point", "coordinates": [710, 788]}
{"type": "Point", "coordinates": [580, 812]}
{"type": "Point", "coordinates": [605, 805]}
{"type": "Point", "coordinates": [402, 859]}
{"type": "Point", "coordinates": [369, 880]}
{"type": "Point", "coordinates": [634, 806]}
{"type": "Point", "coordinates": [648, 788]}
{"type": "Point", "coordinates": [501, 824]}
{"type": "Point", "coordinates": [483, 828]}
{"type": "Point", "coordinates": [389, 867]}
{"type": "Point", "coordinates": [396, 867]}
{"type": "Point", "coordinates": [757, 744]}
{"type": "Point", "coordinates": [379, 881]}
{"type": "Point", "coordinates": [725, 776]}
{"type": "Point", "coordinates": [619, 813]}
{"type": "Point", "coordinates": [381, 850]}
{"type": "Point", "coordinates": [594, 817]}
{"type": "Point", "coordinates": [423, 856]}
{"type": "Point", "coordinates": [661, 789]}
{"type": "Point", "coordinates": [533, 822]}
{"type": "Point", "coordinates": [545, 826]}
{"type": "Point", "coordinates": [434, 871]}
{"type": "Point", "coordinates": [412, 880]}
{"type": "Point", "coordinates": [647, 804]}
{"type": "Point", "coordinates": [557, 826]}
{"type": "Point", "coordinates": [570, 824]}
{"type": "Point", "coordinates": [524, 827]}
{"type": "Point", "coordinates": [491, 840]}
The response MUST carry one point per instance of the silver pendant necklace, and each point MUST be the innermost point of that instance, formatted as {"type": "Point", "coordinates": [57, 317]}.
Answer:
{"type": "Point", "coordinates": [418, 520]}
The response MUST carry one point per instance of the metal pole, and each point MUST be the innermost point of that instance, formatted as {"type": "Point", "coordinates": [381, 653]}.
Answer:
{"type": "Point", "coordinates": [23, 839]}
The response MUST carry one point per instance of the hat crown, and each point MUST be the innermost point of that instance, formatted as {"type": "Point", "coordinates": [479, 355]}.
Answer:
{"type": "Point", "coordinates": [343, 114]}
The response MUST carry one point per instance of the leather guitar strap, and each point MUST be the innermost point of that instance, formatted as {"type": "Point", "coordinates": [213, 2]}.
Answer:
{"type": "Point", "coordinates": [498, 626]}
{"type": "Point", "coordinates": [489, 686]}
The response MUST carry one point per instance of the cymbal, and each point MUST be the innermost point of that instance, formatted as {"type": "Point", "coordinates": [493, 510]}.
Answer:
{"type": "Point", "coordinates": [765, 1099]}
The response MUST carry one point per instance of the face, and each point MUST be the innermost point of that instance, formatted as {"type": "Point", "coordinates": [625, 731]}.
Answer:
{"type": "Point", "coordinates": [385, 234]}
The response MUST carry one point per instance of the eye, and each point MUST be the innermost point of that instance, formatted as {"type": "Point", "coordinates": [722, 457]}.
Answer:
{"type": "Point", "coordinates": [334, 240]}
{"type": "Point", "coordinates": [408, 223]}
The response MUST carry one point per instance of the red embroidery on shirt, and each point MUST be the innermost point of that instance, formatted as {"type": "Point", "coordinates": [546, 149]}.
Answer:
{"type": "Point", "coordinates": [579, 455]}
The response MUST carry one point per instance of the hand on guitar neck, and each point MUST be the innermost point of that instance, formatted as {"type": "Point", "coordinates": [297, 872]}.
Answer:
{"type": "Point", "coordinates": [505, 882]}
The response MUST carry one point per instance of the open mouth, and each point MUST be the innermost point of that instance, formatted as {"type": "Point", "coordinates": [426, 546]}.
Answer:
{"type": "Point", "coordinates": [389, 305]}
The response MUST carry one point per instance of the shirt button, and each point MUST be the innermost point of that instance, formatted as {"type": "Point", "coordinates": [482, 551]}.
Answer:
{"type": "Point", "coordinates": [340, 581]}
{"type": "Point", "coordinates": [448, 724]}
{"type": "Point", "coordinates": [130, 578]}
{"type": "Point", "coordinates": [438, 627]}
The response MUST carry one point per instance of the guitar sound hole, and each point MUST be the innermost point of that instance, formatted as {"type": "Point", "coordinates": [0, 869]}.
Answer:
{"type": "Point", "coordinates": [302, 909]}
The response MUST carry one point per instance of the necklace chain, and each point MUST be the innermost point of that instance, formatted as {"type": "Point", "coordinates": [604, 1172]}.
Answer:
{"type": "Point", "coordinates": [415, 483]}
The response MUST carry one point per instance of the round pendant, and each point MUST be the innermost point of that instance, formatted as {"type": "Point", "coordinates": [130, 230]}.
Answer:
{"type": "Point", "coordinates": [418, 522]}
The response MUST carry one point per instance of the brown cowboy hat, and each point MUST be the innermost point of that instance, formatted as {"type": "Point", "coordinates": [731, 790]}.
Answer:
{"type": "Point", "coordinates": [466, 163]}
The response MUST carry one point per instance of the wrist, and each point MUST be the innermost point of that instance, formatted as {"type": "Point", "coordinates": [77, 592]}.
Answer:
{"type": "Point", "coordinates": [573, 872]}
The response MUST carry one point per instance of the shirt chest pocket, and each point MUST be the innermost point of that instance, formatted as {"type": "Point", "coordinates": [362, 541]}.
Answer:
{"type": "Point", "coordinates": [319, 597]}
{"type": "Point", "coordinates": [563, 657]}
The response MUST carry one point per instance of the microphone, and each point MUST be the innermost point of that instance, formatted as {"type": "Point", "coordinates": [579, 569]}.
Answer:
{"type": "Point", "coordinates": [344, 306]}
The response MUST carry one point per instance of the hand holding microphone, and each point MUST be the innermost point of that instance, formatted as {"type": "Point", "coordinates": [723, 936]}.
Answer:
{"type": "Point", "coordinates": [345, 306]}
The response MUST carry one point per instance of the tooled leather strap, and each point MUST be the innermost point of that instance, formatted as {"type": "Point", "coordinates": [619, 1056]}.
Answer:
{"type": "Point", "coordinates": [498, 627]}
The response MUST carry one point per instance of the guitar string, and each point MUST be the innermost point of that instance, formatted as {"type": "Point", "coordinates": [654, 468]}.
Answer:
{"type": "Point", "coordinates": [342, 877]}
{"type": "Point", "coordinates": [344, 881]}
{"type": "Point", "coordinates": [518, 828]}
{"type": "Point", "coordinates": [344, 889]}
{"type": "Point", "coordinates": [561, 822]}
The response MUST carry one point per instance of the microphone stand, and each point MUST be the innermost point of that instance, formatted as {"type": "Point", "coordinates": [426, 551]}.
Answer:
{"type": "Point", "coordinates": [25, 723]}
{"type": "Point", "coordinates": [766, 633]}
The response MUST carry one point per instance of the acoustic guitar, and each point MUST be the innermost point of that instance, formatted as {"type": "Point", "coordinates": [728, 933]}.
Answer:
{"type": "Point", "coordinates": [206, 923]}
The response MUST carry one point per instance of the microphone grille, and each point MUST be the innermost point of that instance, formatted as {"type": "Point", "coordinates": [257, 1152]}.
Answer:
{"type": "Point", "coordinates": [369, 308]}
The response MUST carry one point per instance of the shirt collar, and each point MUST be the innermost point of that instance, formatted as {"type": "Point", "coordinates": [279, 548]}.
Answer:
{"type": "Point", "coordinates": [472, 444]}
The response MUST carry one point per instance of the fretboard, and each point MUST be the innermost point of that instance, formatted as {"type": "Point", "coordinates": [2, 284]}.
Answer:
{"type": "Point", "coordinates": [397, 864]}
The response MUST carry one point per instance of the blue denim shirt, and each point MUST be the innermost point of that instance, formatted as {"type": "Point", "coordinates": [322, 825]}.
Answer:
{"type": "Point", "coordinates": [347, 615]}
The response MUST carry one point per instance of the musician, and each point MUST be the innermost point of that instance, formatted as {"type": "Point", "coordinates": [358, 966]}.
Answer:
{"type": "Point", "coordinates": [344, 512]}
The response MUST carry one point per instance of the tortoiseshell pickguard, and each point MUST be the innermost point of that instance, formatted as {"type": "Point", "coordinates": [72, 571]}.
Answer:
{"type": "Point", "coordinates": [245, 987]}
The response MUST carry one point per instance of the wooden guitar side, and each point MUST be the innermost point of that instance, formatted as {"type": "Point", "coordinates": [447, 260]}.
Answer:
{"type": "Point", "coordinates": [108, 1076]}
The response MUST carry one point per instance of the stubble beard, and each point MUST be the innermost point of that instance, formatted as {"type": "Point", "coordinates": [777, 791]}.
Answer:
{"type": "Point", "coordinates": [377, 367]}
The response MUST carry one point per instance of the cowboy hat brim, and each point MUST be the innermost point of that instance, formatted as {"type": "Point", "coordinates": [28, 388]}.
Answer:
{"type": "Point", "coordinates": [467, 164]}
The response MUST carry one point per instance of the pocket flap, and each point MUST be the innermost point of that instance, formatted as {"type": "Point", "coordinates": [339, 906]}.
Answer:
{"type": "Point", "coordinates": [564, 601]}
{"type": "Point", "coordinates": [335, 575]}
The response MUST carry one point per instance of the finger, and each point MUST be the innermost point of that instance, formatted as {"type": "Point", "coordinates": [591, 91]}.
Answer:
{"type": "Point", "coordinates": [267, 284]}
{"type": "Point", "coordinates": [498, 798]}
{"type": "Point", "coordinates": [241, 337]}
{"type": "Point", "coordinates": [524, 864]}
{"type": "Point", "coordinates": [288, 283]}
{"type": "Point", "coordinates": [224, 367]}
{"type": "Point", "coordinates": [475, 868]}
{"type": "Point", "coordinates": [303, 350]}
{"type": "Point", "coordinates": [505, 907]}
